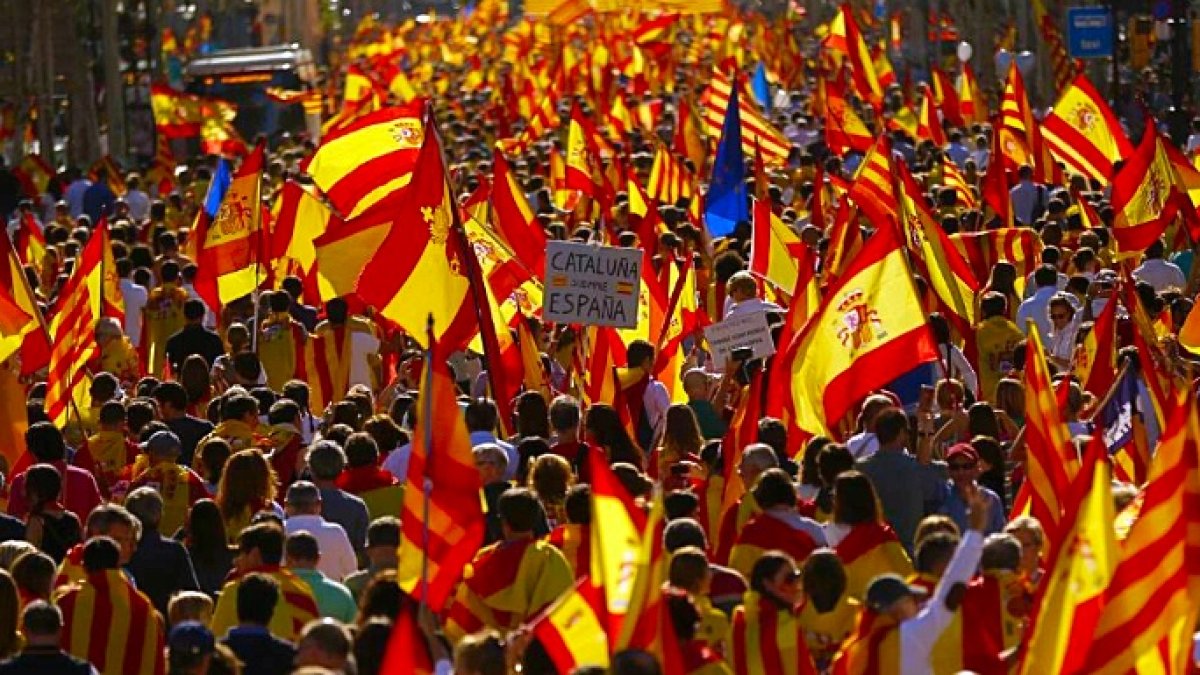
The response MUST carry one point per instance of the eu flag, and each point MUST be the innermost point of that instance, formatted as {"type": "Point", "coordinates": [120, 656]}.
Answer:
{"type": "Point", "coordinates": [726, 202]}
{"type": "Point", "coordinates": [217, 188]}
{"type": "Point", "coordinates": [761, 88]}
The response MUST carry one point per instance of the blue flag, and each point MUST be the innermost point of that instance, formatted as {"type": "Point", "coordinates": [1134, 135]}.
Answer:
{"type": "Point", "coordinates": [761, 88]}
{"type": "Point", "coordinates": [725, 203]}
{"type": "Point", "coordinates": [217, 188]}
{"type": "Point", "coordinates": [1118, 414]}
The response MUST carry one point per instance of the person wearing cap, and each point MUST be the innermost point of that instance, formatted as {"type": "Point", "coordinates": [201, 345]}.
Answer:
{"type": "Point", "coordinates": [41, 624]}
{"type": "Point", "coordinates": [303, 507]}
{"type": "Point", "coordinates": [110, 622]}
{"type": "Point", "coordinates": [963, 463]}
{"type": "Point", "coordinates": [179, 486]}
{"type": "Point", "coordinates": [190, 647]}
{"type": "Point", "coordinates": [897, 629]}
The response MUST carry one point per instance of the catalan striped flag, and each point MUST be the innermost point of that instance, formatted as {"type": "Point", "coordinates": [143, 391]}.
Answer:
{"type": "Point", "coordinates": [1060, 60]}
{"type": "Point", "coordinates": [949, 276]}
{"type": "Point", "coordinates": [1150, 604]}
{"type": "Point", "coordinates": [160, 178]}
{"type": "Point", "coordinates": [620, 121]}
{"type": "Point", "coordinates": [845, 241]}
{"type": "Point", "coordinates": [763, 639]}
{"type": "Point", "coordinates": [111, 624]}
{"type": "Point", "coordinates": [229, 257]}
{"type": "Point", "coordinates": [754, 126]}
{"type": "Point", "coordinates": [360, 165]}
{"type": "Point", "coordinates": [1021, 139]}
{"type": "Point", "coordinates": [669, 179]}
{"type": "Point", "coordinates": [1071, 596]}
{"type": "Point", "coordinates": [953, 178]}
{"type": "Point", "coordinates": [853, 343]}
{"type": "Point", "coordinates": [84, 299]}
{"type": "Point", "coordinates": [874, 186]}
{"type": "Point", "coordinates": [806, 297]}
{"type": "Point", "coordinates": [1051, 462]}
{"type": "Point", "coordinates": [443, 527]}
{"type": "Point", "coordinates": [775, 249]}
{"type": "Point", "coordinates": [296, 606]}
{"type": "Point", "coordinates": [1084, 133]}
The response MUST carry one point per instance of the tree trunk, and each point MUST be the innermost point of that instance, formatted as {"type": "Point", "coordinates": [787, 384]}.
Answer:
{"type": "Point", "coordinates": [83, 147]}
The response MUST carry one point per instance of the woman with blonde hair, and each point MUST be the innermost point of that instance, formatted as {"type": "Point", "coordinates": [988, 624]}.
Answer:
{"type": "Point", "coordinates": [681, 442]}
{"type": "Point", "coordinates": [247, 486]}
{"type": "Point", "coordinates": [550, 478]}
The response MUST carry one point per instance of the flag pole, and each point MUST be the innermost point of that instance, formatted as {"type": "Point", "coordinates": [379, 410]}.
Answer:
{"type": "Point", "coordinates": [427, 433]}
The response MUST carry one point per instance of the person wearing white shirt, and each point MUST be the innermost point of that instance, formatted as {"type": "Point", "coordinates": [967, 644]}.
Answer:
{"type": "Point", "coordinates": [1158, 272]}
{"type": "Point", "coordinates": [482, 417]}
{"type": "Point", "coordinates": [1036, 307]}
{"type": "Point", "coordinates": [137, 201]}
{"type": "Point", "coordinates": [1028, 198]}
{"type": "Point", "coordinates": [303, 509]}
{"type": "Point", "coordinates": [952, 363]}
{"type": "Point", "coordinates": [655, 398]}
{"type": "Point", "coordinates": [865, 443]}
{"type": "Point", "coordinates": [1064, 327]}
{"type": "Point", "coordinates": [741, 297]}
{"type": "Point", "coordinates": [135, 297]}
{"type": "Point", "coordinates": [919, 626]}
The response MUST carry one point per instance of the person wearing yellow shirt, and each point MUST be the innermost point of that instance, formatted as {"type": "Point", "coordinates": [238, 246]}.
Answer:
{"type": "Point", "coordinates": [117, 353]}
{"type": "Point", "coordinates": [239, 423]}
{"type": "Point", "coordinates": [109, 449]}
{"type": "Point", "coordinates": [163, 317]}
{"type": "Point", "coordinates": [996, 338]}
{"type": "Point", "coordinates": [281, 342]}
{"type": "Point", "coordinates": [691, 573]}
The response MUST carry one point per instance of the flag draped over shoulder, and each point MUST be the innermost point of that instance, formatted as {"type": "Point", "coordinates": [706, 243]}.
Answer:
{"type": "Point", "coordinates": [869, 330]}
{"type": "Point", "coordinates": [441, 531]}
{"type": "Point", "coordinates": [370, 159]}
{"type": "Point", "coordinates": [418, 269]}
{"type": "Point", "coordinates": [113, 625]}
{"type": "Point", "coordinates": [1083, 133]}
{"type": "Point", "coordinates": [230, 246]}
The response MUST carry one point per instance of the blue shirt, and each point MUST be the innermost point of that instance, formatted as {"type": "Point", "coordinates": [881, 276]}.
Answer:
{"type": "Point", "coordinates": [955, 508]}
{"type": "Point", "coordinates": [907, 489]}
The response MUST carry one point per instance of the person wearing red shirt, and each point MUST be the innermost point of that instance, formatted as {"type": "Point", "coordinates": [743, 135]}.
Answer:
{"type": "Point", "coordinates": [45, 445]}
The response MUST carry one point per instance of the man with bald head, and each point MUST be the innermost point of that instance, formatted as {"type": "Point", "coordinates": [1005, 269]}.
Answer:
{"type": "Point", "coordinates": [756, 458]}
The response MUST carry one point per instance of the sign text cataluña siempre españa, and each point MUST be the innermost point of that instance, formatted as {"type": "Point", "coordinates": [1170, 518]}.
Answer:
{"type": "Point", "coordinates": [592, 285]}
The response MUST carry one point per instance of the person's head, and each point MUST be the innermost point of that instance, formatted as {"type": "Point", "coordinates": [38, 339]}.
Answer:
{"type": "Point", "coordinates": [43, 486]}
{"type": "Point", "coordinates": [257, 595]}
{"type": "Point", "coordinates": [326, 461]}
{"type": "Point", "coordinates": [933, 553]}
{"type": "Point", "coordinates": [34, 574]}
{"type": "Point", "coordinates": [480, 654]}
{"type": "Point", "coordinates": [385, 432]}
{"type": "Point", "coordinates": [337, 311]}
{"type": "Point", "coordinates": [684, 532]}
{"type": "Point", "coordinates": [1029, 533]}
{"type": "Point", "coordinates": [963, 464]}
{"type": "Point", "coordinates": [756, 458]}
{"type": "Point", "coordinates": [302, 551]}
{"type": "Point", "coordinates": [101, 554]}
{"type": "Point", "coordinates": [119, 525]}
{"type": "Point", "coordinates": [775, 576]}
{"type": "Point", "coordinates": [633, 662]}
{"type": "Point", "coordinates": [640, 354]}
{"type": "Point", "coordinates": [146, 504]}
{"type": "Point", "coordinates": [491, 461]}
{"type": "Point", "coordinates": [833, 459]}
{"type": "Point", "coordinates": [696, 384]}
{"type": "Point", "coordinates": [383, 541]}
{"type": "Point", "coordinates": [533, 418]}
{"type": "Point", "coordinates": [190, 646]}
{"type": "Point", "coordinates": [1156, 249]}
{"type": "Point", "coordinates": [303, 499]}
{"type": "Point", "coordinates": [993, 304]}
{"type": "Point", "coordinates": [247, 483]}
{"type": "Point", "coordinates": [1010, 397]}
{"type": "Point", "coordinates": [550, 477]}
{"type": "Point", "coordinates": [1045, 276]}
{"type": "Point", "coordinates": [172, 399]}
{"type": "Point", "coordinates": [45, 442]}
{"type": "Point", "coordinates": [163, 446]}
{"type": "Point", "coordinates": [108, 330]}
{"type": "Point", "coordinates": [240, 407]}
{"type": "Point", "coordinates": [891, 428]}
{"type": "Point", "coordinates": [889, 594]}
{"type": "Point", "coordinates": [519, 510]}
{"type": "Point", "coordinates": [854, 499]}
{"type": "Point", "coordinates": [682, 432]}
{"type": "Point", "coordinates": [259, 545]}
{"type": "Point", "coordinates": [190, 606]}
{"type": "Point", "coordinates": [481, 415]}
{"type": "Point", "coordinates": [193, 311]}
{"type": "Point", "coordinates": [689, 570]}
{"type": "Point", "coordinates": [823, 578]}
{"type": "Point", "coordinates": [361, 450]}
{"type": "Point", "coordinates": [325, 643]}
{"type": "Point", "coordinates": [41, 624]}
{"type": "Point", "coordinates": [774, 489]}
{"type": "Point", "coordinates": [565, 416]}
{"type": "Point", "coordinates": [1001, 553]}
{"type": "Point", "coordinates": [741, 286]}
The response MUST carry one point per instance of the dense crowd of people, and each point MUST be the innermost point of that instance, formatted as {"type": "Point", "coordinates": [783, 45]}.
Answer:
{"type": "Point", "coordinates": [200, 515]}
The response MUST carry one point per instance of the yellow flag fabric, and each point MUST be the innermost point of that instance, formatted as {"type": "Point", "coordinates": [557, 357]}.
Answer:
{"type": "Point", "coordinates": [1083, 133]}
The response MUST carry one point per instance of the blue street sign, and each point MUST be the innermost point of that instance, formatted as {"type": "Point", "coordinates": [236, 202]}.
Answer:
{"type": "Point", "coordinates": [1089, 32]}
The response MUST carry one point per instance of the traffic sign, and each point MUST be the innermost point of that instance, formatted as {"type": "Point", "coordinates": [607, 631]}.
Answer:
{"type": "Point", "coordinates": [1089, 32]}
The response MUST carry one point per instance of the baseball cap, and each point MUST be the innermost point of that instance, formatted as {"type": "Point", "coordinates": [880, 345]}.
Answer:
{"type": "Point", "coordinates": [886, 590]}
{"type": "Point", "coordinates": [190, 638]}
{"type": "Point", "coordinates": [963, 451]}
{"type": "Point", "coordinates": [162, 442]}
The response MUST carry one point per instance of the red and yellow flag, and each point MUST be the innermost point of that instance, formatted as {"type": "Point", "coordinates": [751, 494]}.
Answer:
{"type": "Point", "coordinates": [442, 528]}
{"type": "Point", "coordinates": [572, 631]}
{"type": "Point", "coordinates": [929, 127]}
{"type": "Point", "coordinates": [755, 127]}
{"type": "Point", "coordinates": [579, 159]}
{"type": "Point", "coordinates": [301, 218]}
{"type": "Point", "coordinates": [669, 179]}
{"type": "Point", "coordinates": [1145, 194]}
{"type": "Point", "coordinates": [1095, 364]}
{"type": "Point", "coordinates": [845, 42]}
{"type": "Point", "coordinates": [869, 330]}
{"type": "Point", "coordinates": [1020, 134]}
{"type": "Point", "coordinates": [971, 102]}
{"type": "Point", "coordinates": [1072, 594]}
{"type": "Point", "coordinates": [515, 221]}
{"type": "Point", "coordinates": [130, 645]}
{"type": "Point", "coordinates": [617, 529]}
{"type": "Point", "coordinates": [844, 129]}
{"type": "Point", "coordinates": [774, 248]}
{"type": "Point", "coordinates": [1083, 132]}
{"type": "Point", "coordinates": [229, 248]}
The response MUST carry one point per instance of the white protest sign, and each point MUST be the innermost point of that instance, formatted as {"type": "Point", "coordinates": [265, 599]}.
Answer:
{"type": "Point", "coordinates": [592, 285]}
{"type": "Point", "coordinates": [740, 330]}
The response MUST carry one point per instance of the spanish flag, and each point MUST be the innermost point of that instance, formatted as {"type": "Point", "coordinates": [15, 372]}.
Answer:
{"type": "Point", "coordinates": [230, 246]}
{"type": "Point", "coordinates": [688, 140]}
{"type": "Point", "coordinates": [296, 606]}
{"type": "Point", "coordinates": [871, 549]}
{"type": "Point", "coordinates": [34, 173]}
{"type": "Point", "coordinates": [1071, 596]}
{"type": "Point", "coordinates": [302, 218]}
{"type": "Point", "coordinates": [844, 129]}
{"type": "Point", "coordinates": [617, 529]}
{"type": "Point", "coordinates": [869, 330]}
{"type": "Point", "coordinates": [946, 98]}
{"type": "Point", "coordinates": [571, 630]}
{"type": "Point", "coordinates": [574, 541]}
{"type": "Point", "coordinates": [442, 528]}
{"type": "Point", "coordinates": [515, 221]}
{"type": "Point", "coordinates": [579, 159]}
{"type": "Point", "coordinates": [15, 321]}
{"type": "Point", "coordinates": [1149, 608]}
{"type": "Point", "coordinates": [765, 532]}
{"type": "Point", "coordinates": [419, 269]}
{"type": "Point", "coordinates": [111, 624]}
{"type": "Point", "coordinates": [31, 241]}
{"type": "Point", "coordinates": [845, 42]}
{"type": "Point", "coordinates": [775, 249]}
{"type": "Point", "coordinates": [971, 103]}
{"type": "Point", "coordinates": [1145, 194]}
{"type": "Point", "coordinates": [981, 250]}
{"type": "Point", "coordinates": [1095, 364]}
{"type": "Point", "coordinates": [1083, 133]}
{"type": "Point", "coordinates": [929, 127]}
{"type": "Point", "coordinates": [349, 164]}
